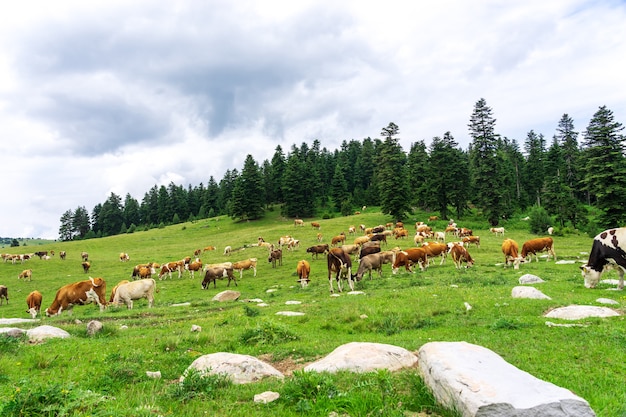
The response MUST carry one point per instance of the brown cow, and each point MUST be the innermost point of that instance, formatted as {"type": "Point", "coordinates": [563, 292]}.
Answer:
{"type": "Point", "coordinates": [434, 249]}
{"type": "Point", "coordinates": [194, 266]}
{"type": "Point", "coordinates": [459, 255]}
{"type": "Point", "coordinates": [84, 256]}
{"type": "Point", "coordinates": [510, 250]}
{"type": "Point", "coordinates": [33, 301]}
{"type": "Point", "coordinates": [303, 269]}
{"type": "Point", "coordinates": [317, 249]}
{"type": "Point", "coordinates": [338, 261]}
{"type": "Point", "coordinates": [409, 257]}
{"type": "Point", "coordinates": [531, 247]}
{"type": "Point", "coordinates": [114, 290]}
{"type": "Point", "coordinates": [62, 254]}
{"type": "Point", "coordinates": [249, 263]}
{"type": "Point", "coordinates": [316, 225]}
{"type": "Point", "coordinates": [276, 256]}
{"type": "Point", "coordinates": [368, 263]}
{"type": "Point", "coordinates": [124, 257]}
{"type": "Point", "coordinates": [86, 265]}
{"type": "Point", "coordinates": [215, 273]}
{"type": "Point", "coordinates": [208, 248]}
{"type": "Point", "coordinates": [339, 239]}
{"type": "Point", "coordinates": [170, 267]}
{"type": "Point", "coordinates": [468, 240]}
{"type": "Point", "coordinates": [82, 292]}
{"type": "Point", "coordinates": [26, 274]}
{"type": "Point", "coordinates": [4, 294]}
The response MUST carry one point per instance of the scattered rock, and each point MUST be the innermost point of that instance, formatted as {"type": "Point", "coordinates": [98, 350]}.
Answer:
{"type": "Point", "coordinates": [180, 305]}
{"type": "Point", "coordinates": [576, 312]}
{"type": "Point", "coordinates": [266, 397]}
{"type": "Point", "coordinates": [363, 316]}
{"type": "Point", "coordinates": [252, 300]}
{"type": "Point", "coordinates": [155, 375]}
{"type": "Point", "coordinates": [227, 295]}
{"type": "Point", "coordinates": [551, 324]}
{"type": "Point", "coordinates": [271, 290]}
{"type": "Point", "coordinates": [241, 369]}
{"type": "Point", "coordinates": [196, 328]}
{"type": "Point", "coordinates": [262, 305]}
{"type": "Point", "coordinates": [478, 382]}
{"type": "Point", "coordinates": [40, 333]}
{"type": "Point", "coordinates": [335, 295]}
{"type": "Point", "coordinates": [355, 293]}
{"type": "Point", "coordinates": [565, 262]}
{"type": "Point", "coordinates": [467, 305]}
{"type": "Point", "coordinates": [12, 331]}
{"type": "Point", "coordinates": [291, 303]}
{"type": "Point", "coordinates": [78, 321]}
{"type": "Point", "coordinates": [123, 327]}
{"type": "Point", "coordinates": [93, 327]}
{"type": "Point", "coordinates": [530, 279]}
{"type": "Point", "coordinates": [289, 313]}
{"type": "Point", "coordinates": [16, 321]}
{"type": "Point", "coordinates": [528, 292]}
{"type": "Point", "coordinates": [606, 301]}
{"type": "Point", "coordinates": [364, 357]}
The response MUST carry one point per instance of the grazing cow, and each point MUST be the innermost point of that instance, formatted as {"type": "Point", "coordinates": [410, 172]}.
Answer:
{"type": "Point", "coordinates": [464, 231]}
{"type": "Point", "coordinates": [26, 274]}
{"type": "Point", "coordinates": [218, 265]}
{"type": "Point", "coordinates": [351, 249]}
{"type": "Point", "coordinates": [298, 222]}
{"type": "Point", "coordinates": [378, 229]}
{"type": "Point", "coordinates": [197, 252]}
{"type": "Point", "coordinates": [41, 253]}
{"type": "Point", "coordinates": [368, 263]}
{"type": "Point", "coordinates": [380, 237]}
{"type": "Point", "coordinates": [459, 255]}
{"type": "Point", "coordinates": [81, 293]}
{"type": "Point", "coordinates": [84, 256]}
{"type": "Point", "coordinates": [319, 237]}
{"type": "Point", "coordinates": [114, 290]}
{"type": "Point", "coordinates": [124, 257]}
{"type": "Point", "coordinates": [33, 301]}
{"type": "Point", "coordinates": [249, 263]}
{"type": "Point", "coordinates": [338, 261]}
{"type": "Point", "coordinates": [433, 218]}
{"type": "Point", "coordinates": [550, 230]}
{"type": "Point", "coordinates": [452, 229]}
{"type": "Point", "coordinates": [408, 257]}
{"type": "Point", "coordinates": [208, 248]}
{"type": "Point", "coordinates": [361, 240]}
{"type": "Point", "coordinates": [62, 254]}
{"type": "Point", "coordinates": [497, 231]}
{"type": "Point", "coordinates": [228, 250]}
{"type": "Point", "coordinates": [4, 294]}
{"type": "Point", "coordinates": [607, 252]}
{"type": "Point", "coordinates": [215, 273]}
{"type": "Point", "coordinates": [267, 245]}
{"type": "Point", "coordinates": [86, 265]}
{"type": "Point", "coordinates": [194, 266]}
{"type": "Point", "coordinates": [351, 230]}
{"type": "Point", "coordinates": [418, 239]}
{"type": "Point", "coordinates": [276, 256]}
{"type": "Point", "coordinates": [362, 227]}
{"type": "Point", "coordinates": [303, 269]}
{"type": "Point", "coordinates": [135, 290]}
{"type": "Point", "coordinates": [469, 240]}
{"type": "Point", "coordinates": [440, 236]}
{"type": "Point", "coordinates": [317, 249]}
{"type": "Point", "coordinates": [338, 240]}
{"type": "Point", "coordinates": [169, 267]}
{"type": "Point", "coordinates": [531, 247]}
{"type": "Point", "coordinates": [510, 249]}
{"type": "Point", "coordinates": [316, 225]}
{"type": "Point", "coordinates": [293, 244]}
{"type": "Point", "coordinates": [434, 249]}
{"type": "Point", "coordinates": [365, 251]}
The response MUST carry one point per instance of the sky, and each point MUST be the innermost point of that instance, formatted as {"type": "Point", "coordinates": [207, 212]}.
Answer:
{"type": "Point", "coordinates": [111, 96]}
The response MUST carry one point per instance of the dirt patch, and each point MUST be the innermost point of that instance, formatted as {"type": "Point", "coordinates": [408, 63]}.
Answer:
{"type": "Point", "coordinates": [285, 366]}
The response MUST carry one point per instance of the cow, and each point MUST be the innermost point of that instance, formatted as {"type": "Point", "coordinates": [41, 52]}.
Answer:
{"type": "Point", "coordinates": [41, 253]}
{"type": "Point", "coordinates": [194, 266]}
{"type": "Point", "coordinates": [141, 271]}
{"type": "Point", "coordinates": [433, 218]}
{"type": "Point", "coordinates": [269, 246]}
{"type": "Point", "coordinates": [550, 230]}
{"type": "Point", "coordinates": [81, 292]}
{"type": "Point", "coordinates": [459, 255]}
{"type": "Point", "coordinates": [338, 240]}
{"type": "Point", "coordinates": [228, 250]}
{"type": "Point", "coordinates": [303, 269]}
{"type": "Point", "coordinates": [607, 252]}
{"type": "Point", "coordinates": [4, 294]}
{"type": "Point", "coordinates": [63, 254]}
{"type": "Point", "coordinates": [468, 240]}
{"type": "Point", "coordinates": [169, 267]}
{"type": "Point", "coordinates": [317, 249]}
{"type": "Point", "coordinates": [380, 237]}
{"type": "Point", "coordinates": [319, 237]}
{"type": "Point", "coordinates": [124, 257]}
{"type": "Point", "coordinates": [218, 265]}
{"type": "Point", "coordinates": [510, 249]}
{"type": "Point", "coordinates": [86, 265]}
{"type": "Point", "coordinates": [361, 240]}
{"type": "Point", "coordinates": [418, 239]}
{"type": "Point", "coordinates": [408, 257]}
{"type": "Point", "coordinates": [351, 249]}
{"type": "Point", "coordinates": [276, 256]}
{"type": "Point", "coordinates": [84, 256]}
{"type": "Point", "coordinates": [352, 230]}
{"type": "Point", "coordinates": [197, 252]}
{"type": "Point", "coordinates": [531, 247]}
{"type": "Point", "coordinates": [434, 249]}
{"type": "Point", "coordinates": [365, 251]}
{"type": "Point", "coordinates": [33, 301]}
{"type": "Point", "coordinates": [378, 229]}
{"type": "Point", "coordinates": [215, 273]}
{"type": "Point", "coordinates": [497, 231]}
{"type": "Point", "coordinates": [440, 237]}
{"type": "Point", "coordinates": [368, 263]}
{"type": "Point", "coordinates": [135, 290]}
{"type": "Point", "coordinates": [298, 222]}
{"type": "Point", "coordinates": [208, 248]}
{"type": "Point", "coordinates": [26, 274]}
{"type": "Point", "coordinates": [114, 290]}
{"type": "Point", "coordinates": [338, 261]}
{"type": "Point", "coordinates": [316, 225]}
{"type": "Point", "coordinates": [249, 263]}
{"type": "Point", "coordinates": [464, 231]}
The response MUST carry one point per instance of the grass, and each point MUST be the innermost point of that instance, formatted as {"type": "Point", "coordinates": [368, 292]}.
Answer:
{"type": "Point", "coordinates": [106, 374]}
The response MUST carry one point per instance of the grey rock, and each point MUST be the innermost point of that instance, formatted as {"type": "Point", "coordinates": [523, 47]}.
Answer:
{"type": "Point", "coordinates": [528, 292]}
{"type": "Point", "coordinates": [364, 357]}
{"type": "Point", "coordinates": [577, 312]}
{"type": "Point", "coordinates": [241, 369]}
{"type": "Point", "coordinates": [530, 279]}
{"type": "Point", "coordinates": [41, 333]}
{"type": "Point", "coordinates": [227, 295]}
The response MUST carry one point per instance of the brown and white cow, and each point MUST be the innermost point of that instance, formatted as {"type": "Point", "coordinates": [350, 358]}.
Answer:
{"type": "Point", "coordinates": [408, 258]}
{"type": "Point", "coordinates": [361, 240]}
{"type": "Point", "coordinates": [338, 240]}
{"type": "Point", "coordinates": [208, 248]}
{"type": "Point", "coordinates": [194, 266]}
{"type": "Point", "coordinates": [459, 255]}
{"type": "Point", "coordinates": [86, 265]}
{"type": "Point", "coordinates": [303, 269]}
{"type": "Point", "coordinates": [510, 249]}
{"type": "Point", "coordinates": [249, 263]}
{"type": "Point", "coordinates": [33, 301]}
{"type": "Point", "coordinates": [497, 231]}
{"type": "Point", "coordinates": [4, 294]}
{"type": "Point", "coordinates": [531, 247]}
{"type": "Point", "coordinates": [339, 262]}
{"type": "Point", "coordinates": [169, 267]}
{"type": "Point", "coordinates": [608, 251]}
{"type": "Point", "coordinates": [298, 222]}
{"type": "Point", "coordinates": [135, 290]}
{"type": "Point", "coordinates": [124, 257]}
{"type": "Point", "coordinates": [434, 249]}
{"type": "Point", "coordinates": [26, 274]}
{"type": "Point", "coordinates": [471, 240]}
{"type": "Point", "coordinates": [316, 225]}
{"type": "Point", "coordinates": [63, 254]}
{"type": "Point", "coordinates": [276, 257]}
{"type": "Point", "coordinates": [143, 271]}
{"type": "Point", "coordinates": [84, 256]}
{"type": "Point", "coordinates": [92, 290]}
{"type": "Point", "coordinates": [215, 273]}
{"type": "Point", "coordinates": [317, 249]}
{"type": "Point", "coordinates": [114, 290]}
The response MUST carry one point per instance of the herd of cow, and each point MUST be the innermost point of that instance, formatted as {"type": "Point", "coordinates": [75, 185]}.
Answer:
{"type": "Point", "coordinates": [608, 252]}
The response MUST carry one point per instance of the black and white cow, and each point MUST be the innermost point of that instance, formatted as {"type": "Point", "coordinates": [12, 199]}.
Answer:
{"type": "Point", "coordinates": [607, 252]}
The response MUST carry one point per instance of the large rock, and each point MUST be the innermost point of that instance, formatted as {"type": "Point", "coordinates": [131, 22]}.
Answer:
{"type": "Point", "coordinates": [478, 382]}
{"type": "Point", "coordinates": [16, 321]}
{"type": "Point", "coordinates": [241, 369]}
{"type": "Point", "coordinates": [228, 295]}
{"type": "Point", "coordinates": [12, 331]}
{"type": "Point", "coordinates": [364, 357]}
{"type": "Point", "coordinates": [528, 292]}
{"type": "Point", "coordinates": [530, 279]}
{"type": "Point", "coordinates": [40, 333]}
{"type": "Point", "coordinates": [576, 312]}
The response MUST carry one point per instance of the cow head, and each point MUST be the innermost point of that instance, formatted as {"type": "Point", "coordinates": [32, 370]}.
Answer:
{"type": "Point", "coordinates": [591, 276]}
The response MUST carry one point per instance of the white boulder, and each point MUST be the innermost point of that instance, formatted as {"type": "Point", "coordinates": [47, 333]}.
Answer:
{"type": "Point", "coordinates": [241, 369]}
{"type": "Point", "coordinates": [576, 312]}
{"type": "Point", "coordinates": [227, 295]}
{"type": "Point", "coordinates": [528, 292]}
{"type": "Point", "coordinates": [530, 279]}
{"type": "Point", "coordinates": [40, 333]}
{"type": "Point", "coordinates": [364, 357]}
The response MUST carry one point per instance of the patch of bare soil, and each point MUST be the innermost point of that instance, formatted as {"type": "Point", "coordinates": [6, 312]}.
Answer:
{"type": "Point", "coordinates": [285, 366]}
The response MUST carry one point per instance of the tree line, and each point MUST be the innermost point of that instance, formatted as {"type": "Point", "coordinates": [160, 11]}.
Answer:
{"type": "Point", "coordinates": [496, 176]}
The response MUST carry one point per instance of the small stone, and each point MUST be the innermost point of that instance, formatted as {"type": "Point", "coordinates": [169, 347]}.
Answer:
{"type": "Point", "coordinates": [155, 375]}
{"type": "Point", "coordinates": [266, 397]}
{"type": "Point", "coordinates": [93, 327]}
{"type": "Point", "coordinates": [293, 302]}
{"type": "Point", "coordinates": [196, 328]}
{"type": "Point", "coordinates": [289, 313]}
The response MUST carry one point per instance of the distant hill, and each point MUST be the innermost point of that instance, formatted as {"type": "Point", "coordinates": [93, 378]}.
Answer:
{"type": "Point", "coordinates": [5, 242]}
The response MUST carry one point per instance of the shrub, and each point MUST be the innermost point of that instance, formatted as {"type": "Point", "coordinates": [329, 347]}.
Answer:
{"type": "Point", "coordinates": [539, 220]}
{"type": "Point", "coordinates": [267, 334]}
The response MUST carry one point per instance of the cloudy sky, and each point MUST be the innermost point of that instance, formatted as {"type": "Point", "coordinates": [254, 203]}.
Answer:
{"type": "Point", "coordinates": [117, 96]}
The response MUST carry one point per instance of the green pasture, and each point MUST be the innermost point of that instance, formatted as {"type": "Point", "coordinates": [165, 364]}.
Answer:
{"type": "Point", "coordinates": [105, 375]}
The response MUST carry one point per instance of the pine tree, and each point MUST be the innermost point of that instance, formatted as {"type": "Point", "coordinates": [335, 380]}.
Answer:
{"type": "Point", "coordinates": [299, 202]}
{"type": "Point", "coordinates": [604, 168]}
{"type": "Point", "coordinates": [392, 173]}
{"type": "Point", "coordinates": [132, 214]}
{"type": "Point", "coordinates": [535, 147]}
{"type": "Point", "coordinates": [65, 229]}
{"type": "Point", "coordinates": [559, 200]}
{"type": "Point", "coordinates": [247, 194]}
{"type": "Point", "coordinates": [419, 176]}
{"type": "Point", "coordinates": [80, 222]}
{"type": "Point", "coordinates": [339, 186]}
{"type": "Point", "coordinates": [448, 182]}
{"type": "Point", "coordinates": [568, 140]}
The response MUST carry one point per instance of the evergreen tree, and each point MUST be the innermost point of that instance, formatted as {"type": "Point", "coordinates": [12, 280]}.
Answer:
{"type": "Point", "coordinates": [80, 222]}
{"type": "Point", "coordinates": [211, 196]}
{"type": "Point", "coordinates": [298, 201]}
{"type": "Point", "coordinates": [225, 193]}
{"type": "Point", "coordinates": [248, 192]}
{"type": "Point", "coordinates": [111, 216]}
{"type": "Point", "coordinates": [392, 174]}
{"type": "Point", "coordinates": [559, 199]}
{"type": "Point", "coordinates": [65, 229]}
{"type": "Point", "coordinates": [447, 181]}
{"type": "Point", "coordinates": [365, 187]}
{"type": "Point", "coordinates": [604, 168]}
{"type": "Point", "coordinates": [132, 213]}
{"type": "Point", "coordinates": [535, 147]}
{"type": "Point", "coordinates": [278, 170]}
{"type": "Point", "coordinates": [568, 140]}
{"type": "Point", "coordinates": [339, 187]}
{"type": "Point", "coordinates": [486, 178]}
{"type": "Point", "coordinates": [150, 207]}
{"type": "Point", "coordinates": [165, 212]}
{"type": "Point", "coordinates": [419, 176]}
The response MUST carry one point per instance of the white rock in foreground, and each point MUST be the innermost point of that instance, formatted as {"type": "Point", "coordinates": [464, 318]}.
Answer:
{"type": "Point", "coordinates": [266, 397]}
{"type": "Point", "coordinates": [41, 333]}
{"type": "Point", "coordinates": [478, 382]}
{"type": "Point", "coordinates": [575, 312]}
{"type": "Point", "coordinates": [528, 292]}
{"type": "Point", "coordinates": [364, 357]}
{"type": "Point", "coordinates": [228, 295]}
{"type": "Point", "coordinates": [606, 301]}
{"type": "Point", "coordinates": [241, 369]}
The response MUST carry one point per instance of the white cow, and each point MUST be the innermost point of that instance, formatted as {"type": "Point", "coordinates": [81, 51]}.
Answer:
{"type": "Point", "coordinates": [135, 290]}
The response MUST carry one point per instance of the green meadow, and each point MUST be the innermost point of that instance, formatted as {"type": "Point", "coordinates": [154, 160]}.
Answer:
{"type": "Point", "coordinates": [105, 375]}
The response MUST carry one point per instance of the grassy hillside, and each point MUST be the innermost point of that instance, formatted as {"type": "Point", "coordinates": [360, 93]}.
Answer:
{"type": "Point", "coordinates": [105, 375]}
